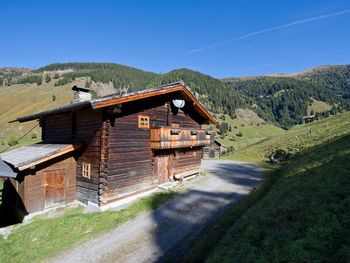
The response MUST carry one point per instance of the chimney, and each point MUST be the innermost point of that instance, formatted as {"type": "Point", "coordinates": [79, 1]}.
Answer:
{"type": "Point", "coordinates": [81, 94]}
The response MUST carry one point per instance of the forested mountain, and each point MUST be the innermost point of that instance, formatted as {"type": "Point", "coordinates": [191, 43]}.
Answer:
{"type": "Point", "coordinates": [280, 99]}
{"type": "Point", "coordinates": [119, 75]}
{"type": "Point", "coordinates": [285, 99]}
{"type": "Point", "coordinates": [213, 92]}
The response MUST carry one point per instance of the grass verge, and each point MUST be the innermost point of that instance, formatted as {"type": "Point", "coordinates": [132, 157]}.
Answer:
{"type": "Point", "coordinates": [300, 213]}
{"type": "Point", "coordinates": [45, 237]}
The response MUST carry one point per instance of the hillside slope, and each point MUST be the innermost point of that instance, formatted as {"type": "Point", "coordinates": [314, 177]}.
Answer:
{"type": "Point", "coordinates": [23, 99]}
{"type": "Point", "coordinates": [285, 100]}
{"type": "Point", "coordinates": [300, 213]}
{"type": "Point", "coordinates": [302, 216]}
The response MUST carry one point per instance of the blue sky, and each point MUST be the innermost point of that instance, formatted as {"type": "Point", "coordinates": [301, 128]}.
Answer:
{"type": "Point", "coordinates": [219, 38]}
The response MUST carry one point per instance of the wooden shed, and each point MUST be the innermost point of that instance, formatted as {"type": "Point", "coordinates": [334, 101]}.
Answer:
{"type": "Point", "coordinates": [43, 176]}
{"type": "Point", "coordinates": [128, 143]}
{"type": "Point", "coordinates": [213, 150]}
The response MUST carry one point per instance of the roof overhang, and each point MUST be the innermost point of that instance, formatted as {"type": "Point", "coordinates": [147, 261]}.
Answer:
{"type": "Point", "coordinates": [6, 170]}
{"type": "Point", "coordinates": [114, 100]}
{"type": "Point", "coordinates": [29, 156]}
{"type": "Point", "coordinates": [65, 108]}
{"type": "Point", "coordinates": [129, 97]}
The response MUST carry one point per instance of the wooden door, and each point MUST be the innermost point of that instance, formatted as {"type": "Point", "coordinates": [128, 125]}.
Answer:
{"type": "Point", "coordinates": [163, 168]}
{"type": "Point", "coordinates": [54, 188]}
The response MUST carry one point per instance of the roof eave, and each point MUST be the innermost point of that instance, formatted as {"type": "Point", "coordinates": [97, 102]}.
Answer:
{"type": "Point", "coordinates": [97, 104]}
{"type": "Point", "coordinates": [62, 109]}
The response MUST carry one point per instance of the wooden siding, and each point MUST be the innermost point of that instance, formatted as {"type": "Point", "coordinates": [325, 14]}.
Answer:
{"type": "Point", "coordinates": [57, 129]}
{"type": "Point", "coordinates": [82, 126]}
{"type": "Point", "coordinates": [88, 130]}
{"type": "Point", "coordinates": [187, 162]}
{"type": "Point", "coordinates": [33, 184]}
{"type": "Point", "coordinates": [211, 151]}
{"type": "Point", "coordinates": [130, 157]}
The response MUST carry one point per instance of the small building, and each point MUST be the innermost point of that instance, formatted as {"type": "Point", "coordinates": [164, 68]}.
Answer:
{"type": "Point", "coordinates": [310, 118]}
{"type": "Point", "coordinates": [213, 150]}
{"type": "Point", "coordinates": [100, 151]}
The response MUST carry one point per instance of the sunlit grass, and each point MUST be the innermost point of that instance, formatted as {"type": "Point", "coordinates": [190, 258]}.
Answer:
{"type": "Point", "coordinates": [300, 213]}
{"type": "Point", "coordinates": [296, 139]}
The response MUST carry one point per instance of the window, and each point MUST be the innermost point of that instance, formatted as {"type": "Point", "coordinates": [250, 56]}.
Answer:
{"type": "Point", "coordinates": [143, 121]}
{"type": "Point", "coordinates": [86, 170]}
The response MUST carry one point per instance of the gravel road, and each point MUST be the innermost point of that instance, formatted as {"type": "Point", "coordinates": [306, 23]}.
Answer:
{"type": "Point", "coordinates": [166, 231]}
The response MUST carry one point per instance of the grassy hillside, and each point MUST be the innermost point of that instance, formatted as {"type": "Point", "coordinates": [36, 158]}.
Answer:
{"type": "Point", "coordinates": [318, 106]}
{"type": "Point", "coordinates": [23, 99]}
{"type": "Point", "coordinates": [296, 139]}
{"type": "Point", "coordinates": [247, 128]}
{"type": "Point", "coordinates": [300, 213]}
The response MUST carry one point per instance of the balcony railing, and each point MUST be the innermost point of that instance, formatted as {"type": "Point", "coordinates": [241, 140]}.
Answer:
{"type": "Point", "coordinates": [172, 138]}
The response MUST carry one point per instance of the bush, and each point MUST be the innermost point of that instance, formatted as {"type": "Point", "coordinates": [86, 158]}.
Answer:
{"type": "Point", "coordinates": [233, 138]}
{"type": "Point", "coordinates": [239, 133]}
{"type": "Point", "coordinates": [279, 155]}
{"type": "Point", "coordinates": [34, 136]}
{"type": "Point", "coordinates": [12, 141]}
{"type": "Point", "coordinates": [47, 78]}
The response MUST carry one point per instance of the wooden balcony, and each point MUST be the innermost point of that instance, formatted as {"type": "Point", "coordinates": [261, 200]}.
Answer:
{"type": "Point", "coordinates": [172, 138]}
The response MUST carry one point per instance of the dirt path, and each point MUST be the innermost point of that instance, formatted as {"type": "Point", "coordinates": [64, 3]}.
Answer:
{"type": "Point", "coordinates": [167, 231]}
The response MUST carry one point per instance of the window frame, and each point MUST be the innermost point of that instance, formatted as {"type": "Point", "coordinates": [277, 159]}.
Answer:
{"type": "Point", "coordinates": [141, 123]}
{"type": "Point", "coordinates": [86, 170]}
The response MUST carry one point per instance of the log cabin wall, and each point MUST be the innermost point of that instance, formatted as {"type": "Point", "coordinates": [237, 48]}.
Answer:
{"type": "Point", "coordinates": [82, 126]}
{"type": "Point", "coordinates": [131, 159]}
{"type": "Point", "coordinates": [130, 154]}
{"type": "Point", "coordinates": [187, 161]}
{"type": "Point", "coordinates": [88, 129]}
{"type": "Point", "coordinates": [57, 128]}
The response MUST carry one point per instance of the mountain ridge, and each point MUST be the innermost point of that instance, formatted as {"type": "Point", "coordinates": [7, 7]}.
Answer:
{"type": "Point", "coordinates": [282, 99]}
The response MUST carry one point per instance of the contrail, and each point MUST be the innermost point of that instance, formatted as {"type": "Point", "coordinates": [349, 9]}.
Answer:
{"type": "Point", "coordinates": [297, 22]}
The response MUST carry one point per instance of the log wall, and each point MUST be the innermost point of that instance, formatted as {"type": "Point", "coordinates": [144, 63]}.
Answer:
{"type": "Point", "coordinates": [131, 160]}
{"type": "Point", "coordinates": [187, 161]}
{"type": "Point", "coordinates": [82, 126]}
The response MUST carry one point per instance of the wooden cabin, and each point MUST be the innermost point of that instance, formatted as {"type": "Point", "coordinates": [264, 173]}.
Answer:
{"type": "Point", "coordinates": [109, 148]}
{"type": "Point", "coordinates": [213, 150]}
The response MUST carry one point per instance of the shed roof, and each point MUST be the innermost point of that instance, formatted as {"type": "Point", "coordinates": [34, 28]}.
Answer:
{"type": "Point", "coordinates": [6, 170]}
{"type": "Point", "coordinates": [28, 156]}
{"type": "Point", "coordinates": [128, 97]}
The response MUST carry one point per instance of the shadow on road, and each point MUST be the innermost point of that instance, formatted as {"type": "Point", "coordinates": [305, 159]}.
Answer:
{"type": "Point", "coordinates": [181, 221]}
